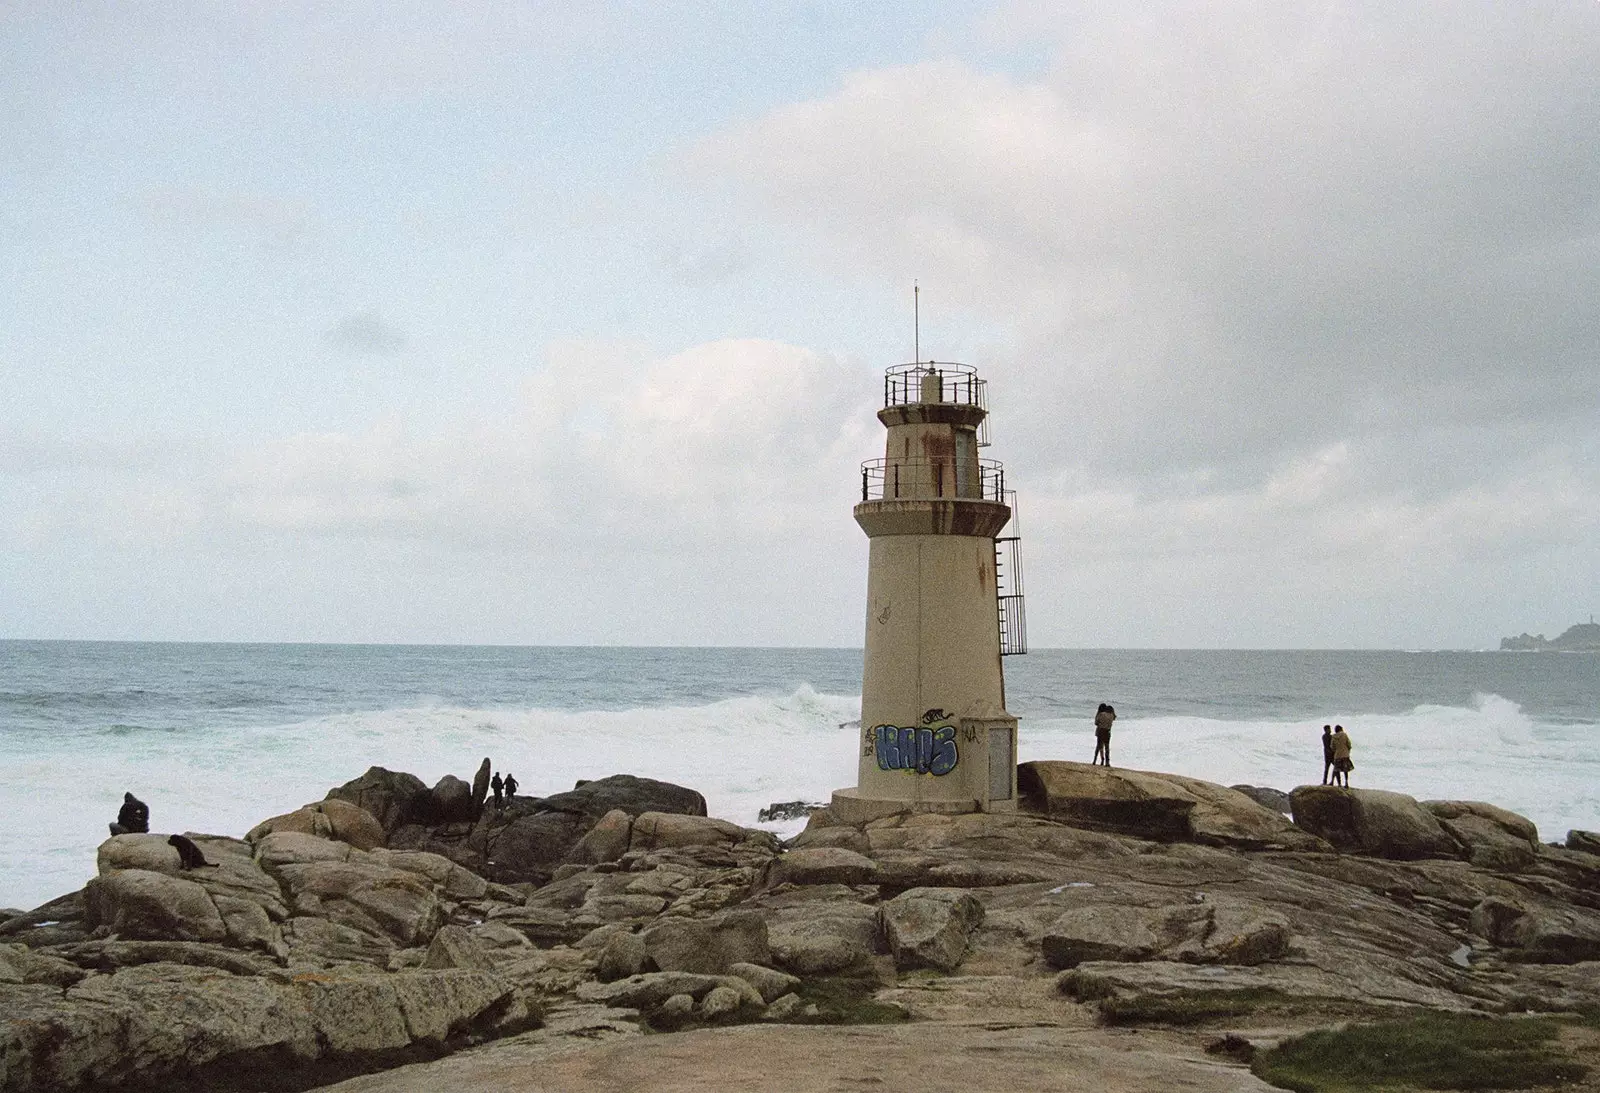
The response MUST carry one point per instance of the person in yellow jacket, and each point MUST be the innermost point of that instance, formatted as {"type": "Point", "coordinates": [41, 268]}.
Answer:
{"type": "Point", "coordinates": [1341, 757]}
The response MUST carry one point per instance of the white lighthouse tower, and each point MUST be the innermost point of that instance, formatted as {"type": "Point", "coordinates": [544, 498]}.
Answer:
{"type": "Point", "coordinates": [944, 605]}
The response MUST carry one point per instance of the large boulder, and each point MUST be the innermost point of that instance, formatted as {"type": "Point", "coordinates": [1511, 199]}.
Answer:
{"type": "Point", "coordinates": [147, 1025]}
{"type": "Point", "coordinates": [632, 794]}
{"type": "Point", "coordinates": [1540, 934]}
{"type": "Point", "coordinates": [333, 818]}
{"type": "Point", "coordinates": [1227, 817]}
{"type": "Point", "coordinates": [708, 946]}
{"type": "Point", "coordinates": [1152, 805]}
{"type": "Point", "coordinates": [1191, 933]}
{"type": "Point", "coordinates": [234, 887]}
{"type": "Point", "coordinates": [1372, 821]}
{"type": "Point", "coordinates": [1127, 802]}
{"type": "Point", "coordinates": [824, 865]}
{"type": "Point", "coordinates": [1494, 838]}
{"type": "Point", "coordinates": [930, 927]}
{"type": "Point", "coordinates": [663, 830]}
{"type": "Point", "coordinates": [452, 801]}
{"type": "Point", "coordinates": [607, 840]}
{"type": "Point", "coordinates": [530, 846]}
{"type": "Point", "coordinates": [1586, 841]}
{"type": "Point", "coordinates": [827, 936]}
{"type": "Point", "coordinates": [454, 947]}
{"type": "Point", "coordinates": [393, 797]}
{"type": "Point", "coordinates": [448, 878]}
{"type": "Point", "coordinates": [366, 896]}
{"type": "Point", "coordinates": [142, 904]}
{"type": "Point", "coordinates": [1266, 797]}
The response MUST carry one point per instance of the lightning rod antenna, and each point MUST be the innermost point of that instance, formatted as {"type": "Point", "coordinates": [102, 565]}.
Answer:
{"type": "Point", "coordinates": [916, 323]}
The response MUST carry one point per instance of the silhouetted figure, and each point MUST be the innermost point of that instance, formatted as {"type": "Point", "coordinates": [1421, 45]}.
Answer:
{"type": "Point", "coordinates": [510, 786]}
{"type": "Point", "coordinates": [496, 785]}
{"type": "Point", "coordinates": [133, 818]}
{"type": "Point", "coordinates": [189, 856]}
{"type": "Point", "coordinates": [1327, 752]}
{"type": "Point", "coordinates": [1103, 718]}
{"type": "Point", "coordinates": [1341, 757]}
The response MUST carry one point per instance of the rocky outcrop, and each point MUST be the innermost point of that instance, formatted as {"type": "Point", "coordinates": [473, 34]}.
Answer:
{"type": "Point", "coordinates": [1492, 837]}
{"type": "Point", "coordinates": [709, 946]}
{"type": "Point", "coordinates": [606, 841]}
{"type": "Point", "coordinates": [1153, 806]}
{"type": "Point", "coordinates": [1586, 841]}
{"type": "Point", "coordinates": [311, 952]}
{"type": "Point", "coordinates": [332, 818]}
{"type": "Point", "coordinates": [531, 838]}
{"type": "Point", "coordinates": [451, 801]}
{"type": "Point", "coordinates": [1204, 932]}
{"type": "Point", "coordinates": [930, 927]}
{"type": "Point", "coordinates": [480, 785]}
{"type": "Point", "coordinates": [824, 865]}
{"type": "Point", "coordinates": [661, 830]}
{"type": "Point", "coordinates": [141, 1023]}
{"type": "Point", "coordinates": [1274, 800]}
{"type": "Point", "coordinates": [822, 932]}
{"type": "Point", "coordinates": [1583, 637]}
{"type": "Point", "coordinates": [393, 798]}
{"type": "Point", "coordinates": [631, 794]}
{"type": "Point", "coordinates": [1372, 821]}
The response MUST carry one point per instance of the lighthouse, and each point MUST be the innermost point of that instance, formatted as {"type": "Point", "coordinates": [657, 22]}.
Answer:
{"type": "Point", "coordinates": [944, 606]}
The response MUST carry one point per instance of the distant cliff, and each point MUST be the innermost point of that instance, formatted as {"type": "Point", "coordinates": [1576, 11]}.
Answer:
{"type": "Point", "coordinates": [1582, 638]}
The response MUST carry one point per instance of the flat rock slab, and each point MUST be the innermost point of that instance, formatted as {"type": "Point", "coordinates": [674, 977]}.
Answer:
{"type": "Point", "coordinates": [928, 1057]}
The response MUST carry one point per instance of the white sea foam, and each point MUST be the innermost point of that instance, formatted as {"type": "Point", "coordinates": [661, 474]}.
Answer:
{"type": "Point", "coordinates": [741, 753]}
{"type": "Point", "coordinates": [1490, 751]}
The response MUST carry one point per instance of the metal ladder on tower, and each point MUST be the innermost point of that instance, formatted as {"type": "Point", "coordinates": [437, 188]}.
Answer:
{"type": "Point", "coordinates": [1008, 585]}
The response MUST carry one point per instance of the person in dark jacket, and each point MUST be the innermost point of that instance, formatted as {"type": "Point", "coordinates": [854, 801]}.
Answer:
{"type": "Point", "coordinates": [510, 786]}
{"type": "Point", "coordinates": [1103, 718]}
{"type": "Point", "coordinates": [1342, 766]}
{"type": "Point", "coordinates": [133, 818]}
{"type": "Point", "coordinates": [1327, 752]}
{"type": "Point", "coordinates": [497, 785]}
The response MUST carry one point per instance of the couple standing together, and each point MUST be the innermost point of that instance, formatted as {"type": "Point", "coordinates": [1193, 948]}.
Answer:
{"type": "Point", "coordinates": [1336, 756]}
{"type": "Point", "coordinates": [1103, 718]}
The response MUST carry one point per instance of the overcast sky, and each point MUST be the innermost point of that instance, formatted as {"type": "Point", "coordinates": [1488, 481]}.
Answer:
{"type": "Point", "coordinates": [562, 323]}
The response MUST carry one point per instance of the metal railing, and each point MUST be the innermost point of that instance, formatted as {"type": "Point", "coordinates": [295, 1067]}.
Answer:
{"type": "Point", "coordinates": [908, 383]}
{"type": "Point", "coordinates": [918, 479]}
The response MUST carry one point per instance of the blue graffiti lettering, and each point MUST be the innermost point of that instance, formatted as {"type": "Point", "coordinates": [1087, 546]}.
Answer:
{"type": "Point", "coordinates": [920, 749]}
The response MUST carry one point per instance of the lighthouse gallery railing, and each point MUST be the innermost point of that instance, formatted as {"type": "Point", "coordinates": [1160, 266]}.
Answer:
{"type": "Point", "coordinates": [903, 385]}
{"type": "Point", "coordinates": [920, 479]}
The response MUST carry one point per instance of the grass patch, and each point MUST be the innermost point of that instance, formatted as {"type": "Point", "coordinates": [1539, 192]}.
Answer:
{"type": "Point", "coordinates": [1429, 1051]}
{"type": "Point", "coordinates": [1185, 1007]}
{"type": "Point", "coordinates": [845, 1002]}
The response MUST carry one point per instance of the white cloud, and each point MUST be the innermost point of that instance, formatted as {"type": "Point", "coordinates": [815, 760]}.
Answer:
{"type": "Point", "coordinates": [1302, 285]}
{"type": "Point", "coordinates": [751, 441]}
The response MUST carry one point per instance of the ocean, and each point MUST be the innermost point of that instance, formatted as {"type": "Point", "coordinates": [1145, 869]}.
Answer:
{"type": "Point", "coordinates": [216, 738]}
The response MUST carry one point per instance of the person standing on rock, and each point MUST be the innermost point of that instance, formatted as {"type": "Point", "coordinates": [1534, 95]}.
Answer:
{"type": "Point", "coordinates": [1327, 753]}
{"type": "Point", "coordinates": [1341, 757]}
{"type": "Point", "coordinates": [1103, 718]}
{"type": "Point", "coordinates": [496, 785]}
{"type": "Point", "coordinates": [510, 785]}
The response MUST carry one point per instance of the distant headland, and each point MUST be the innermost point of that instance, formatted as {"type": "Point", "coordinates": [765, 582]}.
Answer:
{"type": "Point", "coordinates": [1582, 638]}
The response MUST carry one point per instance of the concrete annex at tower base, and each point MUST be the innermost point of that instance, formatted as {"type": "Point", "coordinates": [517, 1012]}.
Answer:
{"type": "Point", "coordinates": [935, 734]}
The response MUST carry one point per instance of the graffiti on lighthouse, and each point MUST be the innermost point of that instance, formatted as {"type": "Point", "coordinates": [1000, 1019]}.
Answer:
{"type": "Point", "coordinates": [927, 748]}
